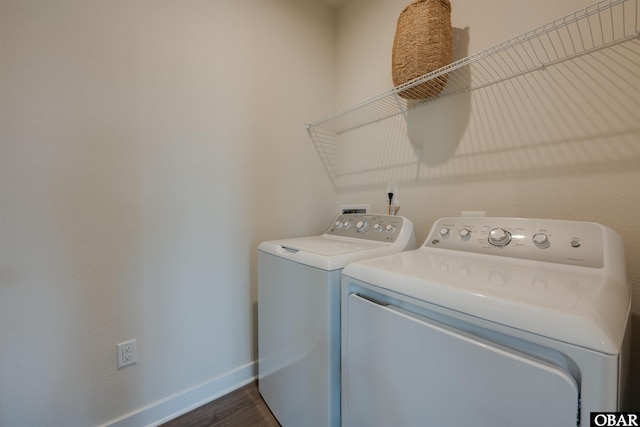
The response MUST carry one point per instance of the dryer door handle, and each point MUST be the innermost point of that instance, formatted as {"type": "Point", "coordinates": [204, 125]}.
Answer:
{"type": "Point", "coordinates": [373, 300]}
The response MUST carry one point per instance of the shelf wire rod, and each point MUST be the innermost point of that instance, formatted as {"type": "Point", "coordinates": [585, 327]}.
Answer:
{"type": "Point", "coordinates": [623, 20]}
{"type": "Point", "coordinates": [552, 45]}
{"type": "Point", "coordinates": [494, 64]}
{"type": "Point", "coordinates": [580, 37]}
{"type": "Point", "coordinates": [624, 23]}
{"type": "Point", "coordinates": [485, 74]}
{"type": "Point", "coordinates": [560, 42]}
{"type": "Point", "coordinates": [326, 159]}
{"type": "Point", "coordinates": [593, 42]}
{"type": "Point", "coordinates": [602, 37]}
{"type": "Point", "coordinates": [494, 67]}
{"type": "Point", "coordinates": [636, 19]}
{"type": "Point", "coordinates": [613, 27]}
{"type": "Point", "coordinates": [513, 60]}
{"type": "Point", "coordinates": [540, 39]}
{"type": "Point", "coordinates": [529, 57]}
{"type": "Point", "coordinates": [509, 61]}
{"type": "Point", "coordinates": [478, 73]}
{"type": "Point", "coordinates": [538, 60]}
{"type": "Point", "coordinates": [573, 44]}
{"type": "Point", "coordinates": [585, 33]}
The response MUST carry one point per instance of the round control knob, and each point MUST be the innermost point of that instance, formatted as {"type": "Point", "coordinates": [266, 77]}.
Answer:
{"type": "Point", "coordinates": [377, 228]}
{"type": "Point", "coordinates": [339, 224]}
{"type": "Point", "coordinates": [444, 232]}
{"type": "Point", "coordinates": [541, 240]}
{"type": "Point", "coordinates": [362, 226]}
{"type": "Point", "coordinates": [464, 233]}
{"type": "Point", "coordinates": [499, 237]}
{"type": "Point", "coordinates": [347, 226]}
{"type": "Point", "coordinates": [390, 229]}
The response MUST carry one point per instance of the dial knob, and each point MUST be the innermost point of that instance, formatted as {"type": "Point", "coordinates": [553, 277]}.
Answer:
{"type": "Point", "coordinates": [541, 240]}
{"type": "Point", "coordinates": [390, 228]}
{"type": "Point", "coordinates": [499, 237]}
{"type": "Point", "coordinates": [377, 228]}
{"type": "Point", "coordinates": [362, 226]}
{"type": "Point", "coordinates": [444, 232]}
{"type": "Point", "coordinates": [339, 225]}
{"type": "Point", "coordinates": [347, 226]}
{"type": "Point", "coordinates": [464, 233]}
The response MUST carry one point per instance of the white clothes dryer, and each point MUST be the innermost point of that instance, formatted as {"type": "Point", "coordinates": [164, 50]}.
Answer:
{"type": "Point", "coordinates": [299, 313]}
{"type": "Point", "coordinates": [492, 322]}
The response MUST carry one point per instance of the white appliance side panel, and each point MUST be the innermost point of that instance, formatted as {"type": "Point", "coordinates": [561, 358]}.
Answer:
{"type": "Point", "coordinates": [402, 370]}
{"type": "Point", "coordinates": [299, 342]}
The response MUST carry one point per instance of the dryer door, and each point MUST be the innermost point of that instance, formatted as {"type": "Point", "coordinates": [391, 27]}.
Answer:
{"type": "Point", "coordinates": [403, 370]}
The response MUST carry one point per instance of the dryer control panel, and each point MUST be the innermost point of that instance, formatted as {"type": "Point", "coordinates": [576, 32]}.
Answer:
{"type": "Point", "coordinates": [381, 228]}
{"type": "Point", "coordinates": [558, 241]}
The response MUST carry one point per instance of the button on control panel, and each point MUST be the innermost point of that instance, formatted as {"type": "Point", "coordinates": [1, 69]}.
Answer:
{"type": "Point", "coordinates": [382, 228]}
{"type": "Point", "coordinates": [558, 241]}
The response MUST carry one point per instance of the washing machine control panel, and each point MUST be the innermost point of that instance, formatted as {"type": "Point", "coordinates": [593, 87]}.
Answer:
{"type": "Point", "coordinates": [381, 228]}
{"type": "Point", "coordinates": [558, 241]}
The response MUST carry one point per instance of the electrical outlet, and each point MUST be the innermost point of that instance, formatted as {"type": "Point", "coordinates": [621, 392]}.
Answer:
{"type": "Point", "coordinates": [392, 187]}
{"type": "Point", "coordinates": [127, 354]}
{"type": "Point", "coordinates": [393, 203]}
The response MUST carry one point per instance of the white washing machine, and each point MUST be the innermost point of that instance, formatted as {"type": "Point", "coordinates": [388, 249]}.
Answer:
{"type": "Point", "coordinates": [299, 313]}
{"type": "Point", "coordinates": [492, 322]}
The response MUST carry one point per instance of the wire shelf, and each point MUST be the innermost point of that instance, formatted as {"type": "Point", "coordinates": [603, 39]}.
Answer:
{"type": "Point", "coordinates": [600, 26]}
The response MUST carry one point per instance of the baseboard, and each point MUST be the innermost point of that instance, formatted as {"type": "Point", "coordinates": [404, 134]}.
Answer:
{"type": "Point", "coordinates": [180, 403]}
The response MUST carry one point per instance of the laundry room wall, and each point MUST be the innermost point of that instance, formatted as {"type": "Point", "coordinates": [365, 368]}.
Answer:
{"type": "Point", "coordinates": [565, 176]}
{"type": "Point", "coordinates": [147, 147]}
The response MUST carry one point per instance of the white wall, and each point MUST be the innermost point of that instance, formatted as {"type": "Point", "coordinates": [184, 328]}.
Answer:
{"type": "Point", "coordinates": [567, 176]}
{"type": "Point", "coordinates": [146, 149]}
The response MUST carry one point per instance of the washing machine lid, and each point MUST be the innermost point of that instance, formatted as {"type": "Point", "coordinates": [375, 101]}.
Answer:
{"type": "Point", "coordinates": [351, 237]}
{"type": "Point", "coordinates": [325, 252]}
{"type": "Point", "coordinates": [576, 305]}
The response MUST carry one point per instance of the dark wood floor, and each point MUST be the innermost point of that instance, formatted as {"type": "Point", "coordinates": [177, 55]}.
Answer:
{"type": "Point", "coordinates": [243, 407]}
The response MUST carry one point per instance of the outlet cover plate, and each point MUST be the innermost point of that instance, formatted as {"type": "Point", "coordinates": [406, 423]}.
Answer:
{"type": "Point", "coordinates": [127, 353]}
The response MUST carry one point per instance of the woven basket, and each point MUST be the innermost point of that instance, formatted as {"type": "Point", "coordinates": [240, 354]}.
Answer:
{"type": "Point", "coordinates": [423, 43]}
